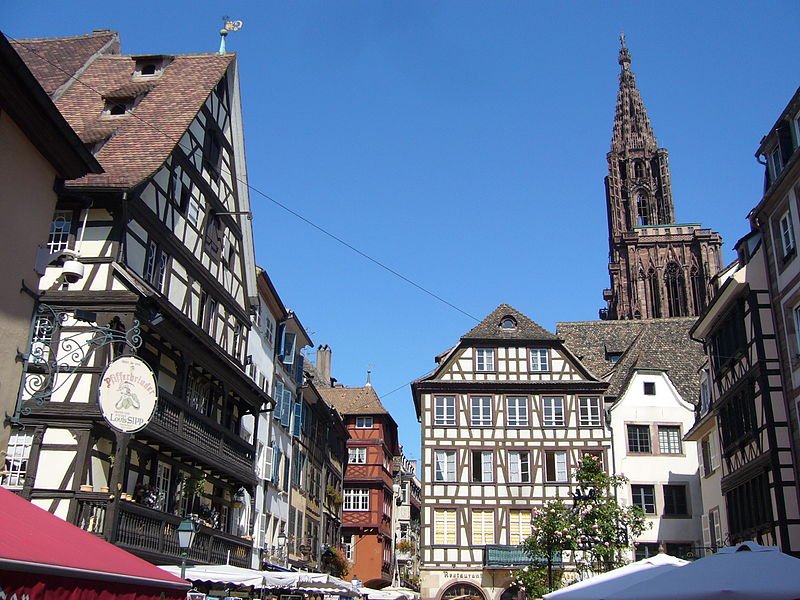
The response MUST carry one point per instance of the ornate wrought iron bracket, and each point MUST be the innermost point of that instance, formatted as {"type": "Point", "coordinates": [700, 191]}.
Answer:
{"type": "Point", "coordinates": [55, 354]}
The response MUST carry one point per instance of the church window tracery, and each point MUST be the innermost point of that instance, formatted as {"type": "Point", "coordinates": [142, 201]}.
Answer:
{"type": "Point", "coordinates": [643, 209]}
{"type": "Point", "coordinates": [676, 290]}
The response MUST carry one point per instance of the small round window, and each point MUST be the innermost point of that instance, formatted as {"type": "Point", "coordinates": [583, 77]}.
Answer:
{"type": "Point", "coordinates": [508, 323]}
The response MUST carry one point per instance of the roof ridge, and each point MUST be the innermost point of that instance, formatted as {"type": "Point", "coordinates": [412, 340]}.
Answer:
{"type": "Point", "coordinates": [68, 37]}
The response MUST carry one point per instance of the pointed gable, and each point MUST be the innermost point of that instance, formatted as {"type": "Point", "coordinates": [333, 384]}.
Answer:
{"type": "Point", "coordinates": [507, 323]}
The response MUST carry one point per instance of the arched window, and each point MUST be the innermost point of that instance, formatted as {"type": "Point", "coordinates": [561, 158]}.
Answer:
{"type": "Point", "coordinates": [676, 290]}
{"type": "Point", "coordinates": [698, 289]}
{"type": "Point", "coordinates": [508, 322]}
{"type": "Point", "coordinates": [643, 209]}
{"type": "Point", "coordinates": [463, 591]}
{"type": "Point", "coordinates": [638, 169]}
{"type": "Point", "coordinates": [654, 295]}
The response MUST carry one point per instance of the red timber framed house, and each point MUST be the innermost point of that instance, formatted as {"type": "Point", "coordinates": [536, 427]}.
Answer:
{"type": "Point", "coordinates": [368, 482]}
{"type": "Point", "coordinates": [745, 395]}
{"type": "Point", "coordinates": [506, 415]}
{"type": "Point", "coordinates": [153, 257]}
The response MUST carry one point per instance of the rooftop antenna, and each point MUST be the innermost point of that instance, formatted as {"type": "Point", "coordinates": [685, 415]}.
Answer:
{"type": "Point", "coordinates": [223, 33]}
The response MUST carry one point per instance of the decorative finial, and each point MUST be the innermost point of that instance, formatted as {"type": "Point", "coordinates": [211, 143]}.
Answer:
{"type": "Point", "coordinates": [223, 33]}
{"type": "Point", "coordinates": [369, 376]}
{"type": "Point", "coordinates": [624, 55]}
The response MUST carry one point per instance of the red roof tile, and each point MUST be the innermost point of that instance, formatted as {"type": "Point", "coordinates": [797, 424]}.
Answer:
{"type": "Point", "coordinates": [54, 61]}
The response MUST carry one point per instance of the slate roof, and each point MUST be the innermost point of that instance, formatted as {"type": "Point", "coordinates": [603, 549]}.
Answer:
{"type": "Point", "coordinates": [661, 344]}
{"type": "Point", "coordinates": [354, 400]}
{"type": "Point", "coordinates": [526, 329]}
{"type": "Point", "coordinates": [165, 105]}
{"type": "Point", "coordinates": [54, 61]}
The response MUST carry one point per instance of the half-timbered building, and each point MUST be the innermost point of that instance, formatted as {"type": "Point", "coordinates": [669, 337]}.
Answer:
{"type": "Point", "coordinates": [748, 401]}
{"type": "Point", "coordinates": [506, 415]}
{"type": "Point", "coordinates": [160, 264]}
{"type": "Point", "coordinates": [368, 483]}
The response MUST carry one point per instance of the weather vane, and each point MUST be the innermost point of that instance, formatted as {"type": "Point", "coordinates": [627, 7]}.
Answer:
{"type": "Point", "coordinates": [223, 33]}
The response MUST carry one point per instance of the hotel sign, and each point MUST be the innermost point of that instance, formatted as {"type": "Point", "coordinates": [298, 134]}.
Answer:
{"type": "Point", "coordinates": [128, 394]}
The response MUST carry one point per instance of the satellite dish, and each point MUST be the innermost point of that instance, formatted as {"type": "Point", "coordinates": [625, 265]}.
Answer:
{"type": "Point", "coordinates": [233, 25]}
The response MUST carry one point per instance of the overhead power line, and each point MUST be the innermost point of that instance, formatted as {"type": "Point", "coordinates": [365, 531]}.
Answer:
{"type": "Point", "coordinates": [266, 196]}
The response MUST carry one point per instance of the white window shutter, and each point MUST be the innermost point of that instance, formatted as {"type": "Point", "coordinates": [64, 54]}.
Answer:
{"type": "Point", "coordinates": [262, 530]}
{"type": "Point", "coordinates": [713, 443]}
{"type": "Point", "coordinates": [266, 467]}
{"type": "Point", "coordinates": [700, 464]}
{"type": "Point", "coordinates": [706, 532]}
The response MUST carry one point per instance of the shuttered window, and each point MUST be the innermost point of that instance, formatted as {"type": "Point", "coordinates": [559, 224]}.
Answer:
{"type": "Point", "coordinates": [444, 526]}
{"type": "Point", "coordinates": [482, 527]}
{"type": "Point", "coordinates": [519, 526]}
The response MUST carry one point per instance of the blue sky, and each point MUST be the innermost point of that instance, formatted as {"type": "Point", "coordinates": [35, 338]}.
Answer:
{"type": "Point", "coordinates": [462, 143]}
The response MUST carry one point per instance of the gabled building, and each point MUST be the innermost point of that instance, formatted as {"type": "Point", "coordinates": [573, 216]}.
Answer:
{"type": "Point", "coordinates": [658, 267]}
{"type": "Point", "coordinates": [652, 370]}
{"type": "Point", "coordinates": [160, 264]}
{"type": "Point", "coordinates": [747, 401]}
{"type": "Point", "coordinates": [506, 415]}
{"type": "Point", "coordinates": [368, 481]}
{"type": "Point", "coordinates": [38, 151]}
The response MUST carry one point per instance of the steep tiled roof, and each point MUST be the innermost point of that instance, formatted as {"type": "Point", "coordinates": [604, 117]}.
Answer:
{"type": "Point", "coordinates": [662, 344]}
{"type": "Point", "coordinates": [165, 105]}
{"type": "Point", "coordinates": [54, 61]}
{"type": "Point", "coordinates": [354, 400]}
{"type": "Point", "coordinates": [526, 329]}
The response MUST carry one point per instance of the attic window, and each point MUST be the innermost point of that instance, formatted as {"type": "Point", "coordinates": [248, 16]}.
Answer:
{"type": "Point", "coordinates": [613, 357]}
{"type": "Point", "coordinates": [150, 66]}
{"type": "Point", "coordinates": [118, 106]}
{"type": "Point", "coordinates": [508, 322]}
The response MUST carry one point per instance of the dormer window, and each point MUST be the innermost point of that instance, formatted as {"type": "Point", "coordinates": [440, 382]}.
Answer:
{"type": "Point", "coordinates": [508, 323]}
{"type": "Point", "coordinates": [118, 106]}
{"type": "Point", "coordinates": [149, 66]}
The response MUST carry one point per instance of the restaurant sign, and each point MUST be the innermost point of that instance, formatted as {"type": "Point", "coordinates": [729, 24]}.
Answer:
{"type": "Point", "coordinates": [128, 394]}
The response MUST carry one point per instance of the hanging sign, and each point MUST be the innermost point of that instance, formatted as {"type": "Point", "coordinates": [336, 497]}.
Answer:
{"type": "Point", "coordinates": [128, 394]}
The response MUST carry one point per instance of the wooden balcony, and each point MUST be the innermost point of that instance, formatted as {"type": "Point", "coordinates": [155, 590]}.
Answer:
{"type": "Point", "coordinates": [152, 535]}
{"type": "Point", "coordinates": [198, 436]}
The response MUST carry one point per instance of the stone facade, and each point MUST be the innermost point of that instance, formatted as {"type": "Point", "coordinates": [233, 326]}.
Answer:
{"type": "Point", "coordinates": [657, 268]}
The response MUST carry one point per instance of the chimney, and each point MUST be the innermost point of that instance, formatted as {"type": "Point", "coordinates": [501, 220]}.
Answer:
{"type": "Point", "coordinates": [324, 365]}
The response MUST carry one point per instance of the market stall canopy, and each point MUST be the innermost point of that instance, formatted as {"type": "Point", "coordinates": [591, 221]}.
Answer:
{"type": "Point", "coordinates": [46, 552]}
{"type": "Point", "coordinates": [384, 594]}
{"type": "Point", "coordinates": [742, 572]}
{"type": "Point", "coordinates": [601, 586]}
{"type": "Point", "coordinates": [408, 592]}
{"type": "Point", "coordinates": [320, 583]}
{"type": "Point", "coordinates": [227, 575]}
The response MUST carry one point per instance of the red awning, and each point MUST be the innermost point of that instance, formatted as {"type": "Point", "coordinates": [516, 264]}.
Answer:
{"type": "Point", "coordinates": [59, 556]}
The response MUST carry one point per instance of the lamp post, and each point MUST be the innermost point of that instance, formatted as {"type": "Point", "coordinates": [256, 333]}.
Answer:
{"type": "Point", "coordinates": [186, 532]}
{"type": "Point", "coordinates": [282, 544]}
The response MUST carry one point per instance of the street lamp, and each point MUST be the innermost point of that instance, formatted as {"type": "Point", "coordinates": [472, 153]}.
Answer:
{"type": "Point", "coordinates": [186, 532]}
{"type": "Point", "coordinates": [282, 544]}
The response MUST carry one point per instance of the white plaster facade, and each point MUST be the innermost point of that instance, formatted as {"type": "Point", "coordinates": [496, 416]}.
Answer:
{"type": "Point", "coordinates": [661, 463]}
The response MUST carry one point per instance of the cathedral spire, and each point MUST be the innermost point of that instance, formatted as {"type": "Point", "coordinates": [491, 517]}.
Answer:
{"type": "Point", "coordinates": [632, 128]}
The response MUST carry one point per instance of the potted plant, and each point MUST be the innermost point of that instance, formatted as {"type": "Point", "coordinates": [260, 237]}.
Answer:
{"type": "Point", "coordinates": [333, 495]}
{"type": "Point", "coordinates": [404, 546]}
{"type": "Point", "coordinates": [193, 488]}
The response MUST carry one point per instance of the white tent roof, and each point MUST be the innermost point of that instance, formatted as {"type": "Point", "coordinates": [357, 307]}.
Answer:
{"type": "Point", "coordinates": [384, 594]}
{"type": "Point", "coordinates": [225, 574]}
{"type": "Point", "coordinates": [601, 586]}
{"type": "Point", "coordinates": [744, 572]}
{"type": "Point", "coordinates": [238, 576]}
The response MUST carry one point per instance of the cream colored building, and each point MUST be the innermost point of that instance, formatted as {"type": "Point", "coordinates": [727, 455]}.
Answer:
{"type": "Point", "coordinates": [38, 151]}
{"type": "Point", "coordinates": [506, 415]}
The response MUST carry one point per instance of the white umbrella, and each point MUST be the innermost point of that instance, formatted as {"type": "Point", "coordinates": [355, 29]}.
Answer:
{"type": "Point", "coordinates": [601, 586]}
{"type": "Point", "coordinates": [746, 571]}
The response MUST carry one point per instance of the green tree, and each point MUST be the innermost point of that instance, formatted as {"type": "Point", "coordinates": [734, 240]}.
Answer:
{"type": "Point", "coordinates": [595, 528]}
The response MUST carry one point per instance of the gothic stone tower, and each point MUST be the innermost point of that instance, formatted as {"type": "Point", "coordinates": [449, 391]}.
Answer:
{"type": "Point", "coordinates": [658, 268]}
